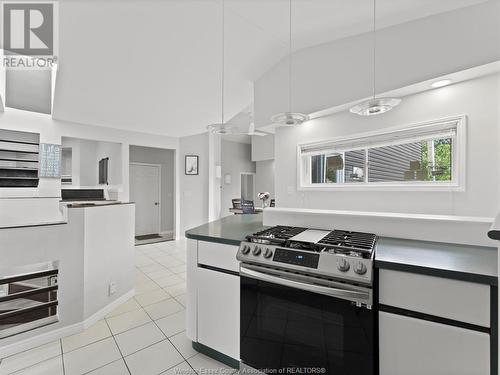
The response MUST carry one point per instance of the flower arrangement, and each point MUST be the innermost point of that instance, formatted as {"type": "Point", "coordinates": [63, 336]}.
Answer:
{"type": "Point", "coordinates": [264, 197]}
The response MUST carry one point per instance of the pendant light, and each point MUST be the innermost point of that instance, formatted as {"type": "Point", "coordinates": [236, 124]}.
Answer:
{"type": "Point", "coordinates": [222, 128]}
{"type": "Point", "coordinates": [289, 118]}
{"type": "Point", "coordinates": [375, 106]}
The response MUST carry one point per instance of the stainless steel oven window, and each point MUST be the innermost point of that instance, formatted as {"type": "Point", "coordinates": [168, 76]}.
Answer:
{"type": "Point", "coordinates": [299, 325]}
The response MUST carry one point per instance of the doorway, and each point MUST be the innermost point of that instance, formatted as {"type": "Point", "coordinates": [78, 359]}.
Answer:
{"type": "Point", "coordinates": [145, 187]}
{"type": "Point", "coordinates": [247, 184]}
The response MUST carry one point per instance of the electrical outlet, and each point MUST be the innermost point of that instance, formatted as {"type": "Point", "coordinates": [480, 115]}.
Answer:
{"type": "Point", "coordinates": [111, 288]}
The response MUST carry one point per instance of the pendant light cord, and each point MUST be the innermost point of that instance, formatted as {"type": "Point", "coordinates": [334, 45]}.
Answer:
{"type": "Point", "coordinates": [223, 65]}
{"type": "Point", "coordinates": [374, 36]}
{"type": "Point", "coordinates": [290, 59]}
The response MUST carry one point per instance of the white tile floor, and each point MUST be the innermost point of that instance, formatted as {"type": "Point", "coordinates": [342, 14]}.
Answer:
{"type": "Point", "coordinates": [143, 336]}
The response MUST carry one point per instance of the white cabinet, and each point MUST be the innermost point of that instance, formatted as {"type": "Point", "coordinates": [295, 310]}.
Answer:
{"type": "Point", "coordinates": [219, 311]}
{"type": "Point", "coordinates": [191, 289]}
{"type": "Point", "coordinates": [463, 301]}
{"type": "Point", "coordinates": [410, 346]}
{"type": "Point", "coordinates": [218, 255]}
{"type": "Point", "coordinates": [213, 296]}
{"type": "Point", "coordinates": [428, 338]}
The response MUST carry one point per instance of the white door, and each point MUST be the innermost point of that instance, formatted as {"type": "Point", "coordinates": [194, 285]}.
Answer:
{"type": "Point", "coordinates": [145, 192]}
{"type": "Point", "coordinates": [247, 186]}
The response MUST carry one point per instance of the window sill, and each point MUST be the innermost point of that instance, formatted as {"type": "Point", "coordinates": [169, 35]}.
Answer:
{"type": "Point", "coordinates": [423, 187]}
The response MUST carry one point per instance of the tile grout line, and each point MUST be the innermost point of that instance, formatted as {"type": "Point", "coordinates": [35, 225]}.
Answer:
{"type": "Point", "coordinates": [154, 260]}
{"type": "Point", "coordinates": [111, 332]}
{"type": "Point", "coordinates": [62, 356]}
{"type": "Point", "coordinates": [173, 297]}
{"type": "Point", "coordinates": [118, 347]}
{"type": "Point", "coordinates": [33, 364]}
{"type": "Point", "coordinates": [171, 343]}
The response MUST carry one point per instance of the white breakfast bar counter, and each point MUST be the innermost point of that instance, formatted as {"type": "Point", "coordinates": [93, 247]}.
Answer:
{"type": "Point", "coordinates": [94, 249]}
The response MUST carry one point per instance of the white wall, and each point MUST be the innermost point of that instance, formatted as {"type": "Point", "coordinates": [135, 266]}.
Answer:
{"type": "Point", "coordinates": [166, 158]}
{"type": "Point", "coordinates": [236, 158]}
{"type": "Point", "coordinates": [51, 131]}
{"type": "Point", "coordinates": [339, 72]}
{"type": "Point", "coordinates": [109, 254]}
{"type": "Point", "coordinates": [262, 147]}
{"type": "Point", "coordinates": [478, 99]}
{"type": "Point", "coordinates": [194, 191]}
{"type": "Point", "coordinates": [264, 177]}
{"type": "Point", "coordinates": [85, 161]}
{"type": "Point", "coordinates": [94, 248]}
{"type": "Point", "coordinates": [74, 145]}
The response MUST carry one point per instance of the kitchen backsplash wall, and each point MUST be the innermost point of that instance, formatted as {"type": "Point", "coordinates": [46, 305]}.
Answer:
{"type": "Point", "coordinates": [481, 197]}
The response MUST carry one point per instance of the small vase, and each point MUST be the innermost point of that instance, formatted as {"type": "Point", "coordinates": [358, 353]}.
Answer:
{"type": "Point", "coordinates": [264, 204]}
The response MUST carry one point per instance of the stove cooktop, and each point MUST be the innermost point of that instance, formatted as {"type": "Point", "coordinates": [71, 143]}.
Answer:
{"type": "Point", "coordinates": [337, 241]}
{"type": "Point", "coordinates": [339, 254]}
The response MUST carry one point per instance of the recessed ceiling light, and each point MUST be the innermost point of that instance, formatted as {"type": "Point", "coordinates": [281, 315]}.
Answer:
{"type": "Point", "coordinates": [443, 82]}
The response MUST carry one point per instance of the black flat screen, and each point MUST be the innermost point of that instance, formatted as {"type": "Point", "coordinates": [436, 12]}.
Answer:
{"type": "Point", "coordinates": [284, 330]}
{"type": "Point", "coordinates": [298, 258]}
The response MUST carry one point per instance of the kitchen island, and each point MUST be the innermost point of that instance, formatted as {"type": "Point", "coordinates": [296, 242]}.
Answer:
{"type": "Point", "coordinates": [441, 294]}
{"type": "Point", "coordinates": [474, 263]}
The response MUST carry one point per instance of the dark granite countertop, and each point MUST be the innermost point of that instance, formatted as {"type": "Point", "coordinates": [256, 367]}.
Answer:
{"type": "Point", "coordinates": [462, 262]}
{"type": "Point", "coordinates": [230, 230]}
{"type": "Point", "coordinates": [99, 204]}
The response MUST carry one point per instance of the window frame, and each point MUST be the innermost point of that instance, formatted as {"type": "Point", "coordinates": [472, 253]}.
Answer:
{"type": "Point", "coordinates": [458, 159]}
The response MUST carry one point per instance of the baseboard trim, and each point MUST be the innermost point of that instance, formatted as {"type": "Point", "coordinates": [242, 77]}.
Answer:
{"type": "Point", "coordinates": [94, 318]}
{"type": "Point", "coordinates": [46, 337]}
{"type": "Point", "coordinates": [167, 233]}
{"type": "Point", "coordinates": [218, 356]}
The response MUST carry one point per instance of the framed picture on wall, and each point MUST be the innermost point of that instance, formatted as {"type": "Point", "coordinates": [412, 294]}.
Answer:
{"type": "Point", "coordinates": [191, 165]}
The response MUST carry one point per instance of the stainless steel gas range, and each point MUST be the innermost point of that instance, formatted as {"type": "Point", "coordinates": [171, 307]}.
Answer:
{"type": "Point", "coordinates": [306, 301]}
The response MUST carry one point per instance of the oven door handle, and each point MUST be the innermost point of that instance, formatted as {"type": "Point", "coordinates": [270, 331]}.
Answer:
{"type": "Point", "coordinates": [351, 295]}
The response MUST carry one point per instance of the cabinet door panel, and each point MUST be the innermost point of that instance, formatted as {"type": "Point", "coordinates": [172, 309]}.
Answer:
{"type": "Point", "coordinates": [191, 289]}
{"type": "Point", "coordinates": [453, 299]}
{"type": "Point", "coordinates": [218, 255]}
{"type": "Point", "coordinates": [410, 346]}
{"type": "Point", "coordinates": [219, 311]}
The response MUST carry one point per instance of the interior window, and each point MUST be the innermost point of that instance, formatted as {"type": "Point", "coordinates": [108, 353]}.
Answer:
{"type": "Point", "coordinates": [418, 155]}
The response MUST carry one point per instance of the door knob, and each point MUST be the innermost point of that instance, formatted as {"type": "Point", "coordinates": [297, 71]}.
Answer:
{"type": "Point", "coordinates": [156, 203]}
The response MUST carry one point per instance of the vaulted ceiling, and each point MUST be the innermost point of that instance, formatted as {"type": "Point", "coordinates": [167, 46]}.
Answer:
{"type": "Point", "coordinates": [155, 66]}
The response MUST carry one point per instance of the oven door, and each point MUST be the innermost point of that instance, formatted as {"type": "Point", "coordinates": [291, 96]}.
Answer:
{"type": "Point", "coordinates": [297, 326]}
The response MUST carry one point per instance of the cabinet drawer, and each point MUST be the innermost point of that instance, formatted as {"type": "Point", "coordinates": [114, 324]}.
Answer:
{"type": "Point", "coordinates": [409, 346]}
{"type": "Point", "coordinates": [452, 299]}
{"type": "Point", "coordinates": [218, 255]}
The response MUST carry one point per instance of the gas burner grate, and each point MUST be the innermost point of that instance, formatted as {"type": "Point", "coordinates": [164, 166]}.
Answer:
{"type": "Point", "coordinates": [298, 245]}
{"type": "Point", "coordinates": [346, 241]}
{"type": "Point", "coordinates": [277, 234]}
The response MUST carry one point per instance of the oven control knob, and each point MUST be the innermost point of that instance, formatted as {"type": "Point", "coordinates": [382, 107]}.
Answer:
{"type": "Point", "coordinates": [245, 250]}
{"type": "Point", "coordinates": [256, 250]}
{"type": "Point", "coordinates": [268, 253]}
{"type": "Point", "coordinates": [360, 268]}
{"type": "Point", "coordinates": [343, 265]}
